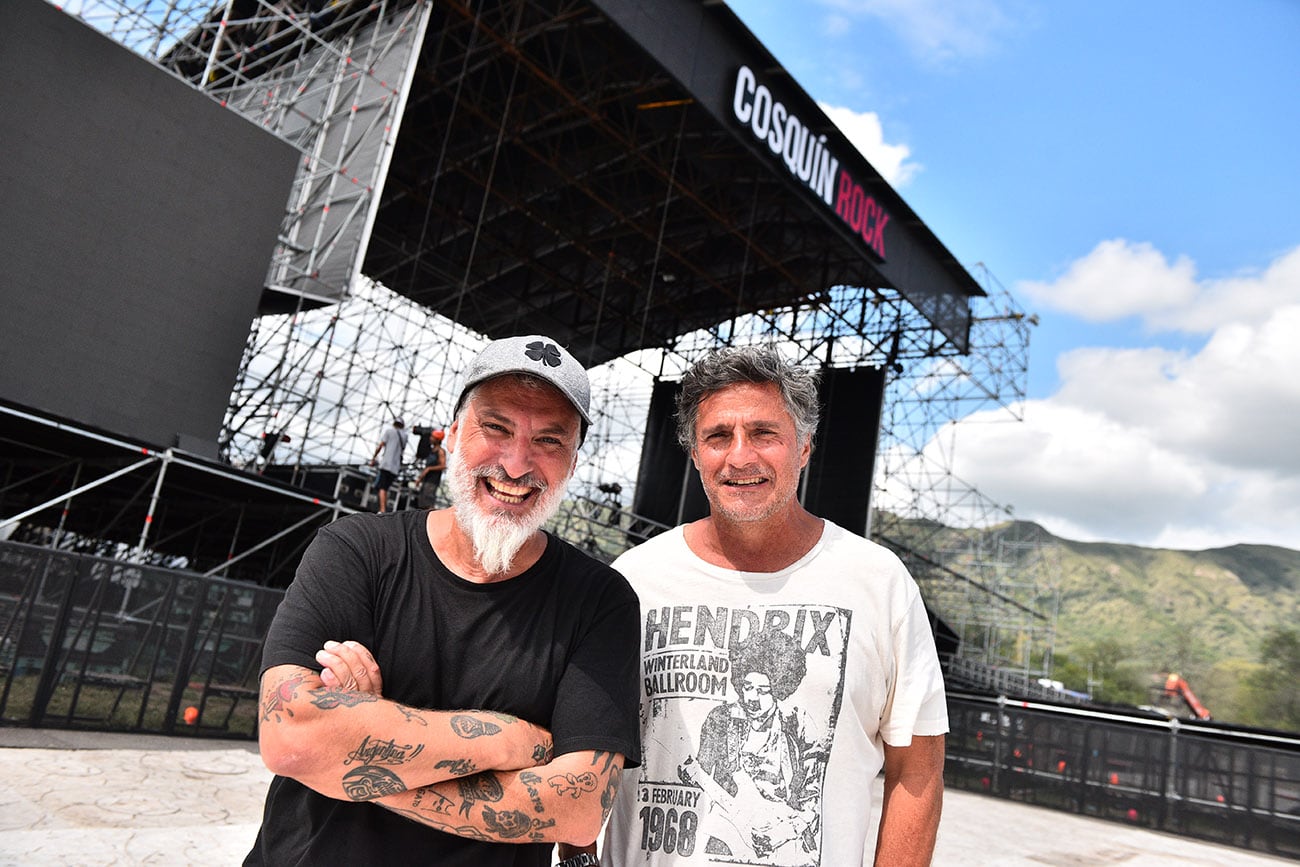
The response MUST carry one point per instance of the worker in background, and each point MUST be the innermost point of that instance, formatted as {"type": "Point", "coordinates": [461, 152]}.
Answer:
{"type": "Point", "coordinates": [392, 444]}
{"type": "Point", "coordinates": [426, 486]}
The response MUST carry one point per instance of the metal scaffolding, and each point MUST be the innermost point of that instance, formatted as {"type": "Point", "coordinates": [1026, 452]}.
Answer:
{"type": "Point", "coordinates": [339, 355]}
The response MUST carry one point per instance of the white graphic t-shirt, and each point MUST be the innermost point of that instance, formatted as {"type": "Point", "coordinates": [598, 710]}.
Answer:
{"type": "Point", "coordinates": [766, 700]}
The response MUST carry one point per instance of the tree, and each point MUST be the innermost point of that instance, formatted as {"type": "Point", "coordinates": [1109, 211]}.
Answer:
{"type": "Point", "coordinates": [1273, 693]}
{"type": "Point", "coordinates": [1108, 661]}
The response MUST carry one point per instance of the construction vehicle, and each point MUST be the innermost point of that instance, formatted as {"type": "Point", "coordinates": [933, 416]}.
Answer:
{"type": "Point", "coordinates": [1171, 688]}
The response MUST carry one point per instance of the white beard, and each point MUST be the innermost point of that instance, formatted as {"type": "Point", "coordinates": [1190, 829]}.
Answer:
{"type": "Point", "coordinates": [497, 536]}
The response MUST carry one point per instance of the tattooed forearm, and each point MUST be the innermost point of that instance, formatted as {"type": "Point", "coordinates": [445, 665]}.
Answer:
{"type": "Point", "coordinates": [326, 698]}
{"type": "Point", "coordinates": [381, 752]}
{"type": "Point", "coordinates": [530, 781]}
{"type": "Point", "coordinates": [608, 796]}
{"type": "Point", "coordinates": [424, 818]}
{"type": "Point", "coordinates": [607, 758]}
{"type": "Point", "coordinates": [573, 785]}
{"type": "Point", "coordinates": [503, 825]}
{"type": "Point", "coordinates": [276, 698]}
{"type": "Point", "coordinates": [369, 782]}
{"type": "Point", "coordinates": [472, 727]}
{"type": "Point", "coordinates": [512, 824]}
{"type": "Point", "coordinates": [458, 767]}
{"type": "Point", "coordinates": [484, 787]}
{"type": "Point", "coordinates": [429, 799]}
{"type": "Point", "coordinates": [412, 715]}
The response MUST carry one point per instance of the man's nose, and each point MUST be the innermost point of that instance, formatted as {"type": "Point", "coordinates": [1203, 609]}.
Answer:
{"type": "Point", "coordinates": [517, 458]}
{"type": "Point", "coordinates": [741, 452]}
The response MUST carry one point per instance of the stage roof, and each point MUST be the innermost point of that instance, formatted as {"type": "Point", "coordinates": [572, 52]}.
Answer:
{"type": "Point", "coordinates": [609, 172]}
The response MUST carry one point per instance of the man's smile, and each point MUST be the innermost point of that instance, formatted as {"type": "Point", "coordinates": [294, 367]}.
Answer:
{"type": "Point", "coordinates": [505, 492]}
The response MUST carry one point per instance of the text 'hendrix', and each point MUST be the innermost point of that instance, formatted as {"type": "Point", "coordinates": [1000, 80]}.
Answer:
{"type": "Point", "coordinates": [720, 627]}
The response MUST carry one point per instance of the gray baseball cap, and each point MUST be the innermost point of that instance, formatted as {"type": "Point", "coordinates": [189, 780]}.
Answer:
{"type": "Point", "coordinates": [538, 355]}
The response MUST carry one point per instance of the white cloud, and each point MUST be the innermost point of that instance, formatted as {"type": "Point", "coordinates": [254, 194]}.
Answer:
{"type": "Point", "coordinates": [1151, 446]}
{"type": "Point", "coordinates": [1240, 298]}
{"type": "Point", "coordinates": [1121, 278]}
{"type": "Point", "coordinates": [1118, 279]}
{"type": "Point", "coordinates": [864, 132]}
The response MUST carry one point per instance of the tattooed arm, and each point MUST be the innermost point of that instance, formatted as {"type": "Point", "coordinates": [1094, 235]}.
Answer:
{"type": "Point", "coordinates": [355, 745]}
{"type": "Point", "coordinates": [563, 801]}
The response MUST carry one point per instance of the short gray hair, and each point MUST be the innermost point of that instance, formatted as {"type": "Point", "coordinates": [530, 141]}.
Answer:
{"type": "Point", "coordinates": [732, 365]}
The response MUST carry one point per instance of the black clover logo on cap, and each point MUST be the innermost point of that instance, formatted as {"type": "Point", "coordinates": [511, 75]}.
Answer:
{"type": "Point", "coordinates": [547, 353]}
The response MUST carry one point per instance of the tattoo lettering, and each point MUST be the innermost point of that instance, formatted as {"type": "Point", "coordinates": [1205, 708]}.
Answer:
{"type": "Point", "coordinates": [573, 785]}
{"type": "Point", "coordinates": [458, 767]}
{"type": "Point", "coordinates": [328, 699]}
{"type": "Point", "coordinates": [472, 727]}
{"type": "Point", "coordinates": [530, 781]}
{"type": "Point", "coordinates": [383, 752]}
{"type": "Point", "coordinates": [276, 699]}
{"type": "Point", "coordinates": [510, 824]}
{"type": "Point", "coordinates": [412, 715]}
{"type": "Point", "coordinates": [368, 782]}
{"type": "Point", "coordinates": [483, 787]}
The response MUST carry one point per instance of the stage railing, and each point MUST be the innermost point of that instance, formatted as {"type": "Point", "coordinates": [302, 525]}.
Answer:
{"type": "Point", "coordinates": [1197, 779]}
{"type": "Point", "coordinates": [95, 643]}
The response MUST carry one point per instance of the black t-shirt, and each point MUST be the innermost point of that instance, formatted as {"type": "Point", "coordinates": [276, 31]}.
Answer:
{"type": "Point", "coordinates": [556, 645]}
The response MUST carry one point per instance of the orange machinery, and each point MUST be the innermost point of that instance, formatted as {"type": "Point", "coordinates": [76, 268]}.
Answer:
{"type": "Point", "coordinates": [1177, 687]}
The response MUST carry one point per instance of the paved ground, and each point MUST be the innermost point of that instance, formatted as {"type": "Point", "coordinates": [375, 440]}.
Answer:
{"type": "Point", "coordinates": [70, 798]}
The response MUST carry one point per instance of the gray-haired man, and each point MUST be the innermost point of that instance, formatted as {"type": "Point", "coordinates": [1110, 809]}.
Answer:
{"type": "Point", "coordinates": [784, 659]}
{"type": "Point", "coordinates": [468, 607]}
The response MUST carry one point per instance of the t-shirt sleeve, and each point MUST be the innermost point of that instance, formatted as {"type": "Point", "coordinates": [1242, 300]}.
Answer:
{"type": "Point", "coordinates": [917, 703]}
{"type": "Point", "coordinates": [597, 705]}
{"type": "Point", "coordinates": [326, 601]}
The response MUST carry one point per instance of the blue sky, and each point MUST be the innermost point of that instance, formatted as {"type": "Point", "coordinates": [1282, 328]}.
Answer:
{"type": "Point", "coordinates": [1131, 172]}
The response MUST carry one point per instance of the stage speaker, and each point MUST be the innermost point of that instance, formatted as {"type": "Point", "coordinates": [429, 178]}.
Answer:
{"type": "Point", "coordinates": [668, 488]}
{"type": "Point", "coordinates": [839, 474]}
{"type": "Point", "coordinates": [138, 224]}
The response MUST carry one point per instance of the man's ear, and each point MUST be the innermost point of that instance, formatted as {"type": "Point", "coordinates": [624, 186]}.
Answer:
{"type": "Point", "coordinates": [449, 441]}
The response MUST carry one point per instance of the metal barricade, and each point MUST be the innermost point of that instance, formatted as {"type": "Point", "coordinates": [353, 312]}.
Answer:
{"type": "Point", "coordinates": [1199, 779]}
{"type": "Point", "coordinates": [97, 643]}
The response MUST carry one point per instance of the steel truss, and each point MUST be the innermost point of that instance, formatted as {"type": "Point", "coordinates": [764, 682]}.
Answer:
{"type": "Point", "coordinates": [330, 78]}
{"type": "Point", "coordinates": [318, 385]}
{"type": "Point", "coordinates": [331, 380]}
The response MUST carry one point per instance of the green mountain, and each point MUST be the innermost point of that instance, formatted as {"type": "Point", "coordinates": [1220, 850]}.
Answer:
{"type": "Point", "coordinates": [1135, 613]}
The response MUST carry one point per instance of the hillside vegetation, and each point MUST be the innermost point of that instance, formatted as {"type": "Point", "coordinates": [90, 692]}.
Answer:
{"type": "Point", "coordinates": [1226, 619]}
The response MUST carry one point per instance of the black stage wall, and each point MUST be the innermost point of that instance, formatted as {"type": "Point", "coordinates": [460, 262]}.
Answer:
{"type": "Point", "coordinates": [838, 478]}
{"type": "Point", "coordinates": [665, 469]}
{"type": "Point", "coordinates": [837, 481]}
{"type": "Point", "coordinates": [137, 225]}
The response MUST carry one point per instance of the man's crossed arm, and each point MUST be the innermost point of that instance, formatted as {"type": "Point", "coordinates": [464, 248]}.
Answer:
{"type": "Point", "coordinates": [473, 773]}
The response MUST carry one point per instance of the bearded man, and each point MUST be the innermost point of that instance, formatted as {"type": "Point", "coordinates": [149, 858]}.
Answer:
{"type": "Point", "coordinates": [485, 698]}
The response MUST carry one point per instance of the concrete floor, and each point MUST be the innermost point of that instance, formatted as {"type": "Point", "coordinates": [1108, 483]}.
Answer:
{"type": "Point", "coordinates": [69, 798]}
